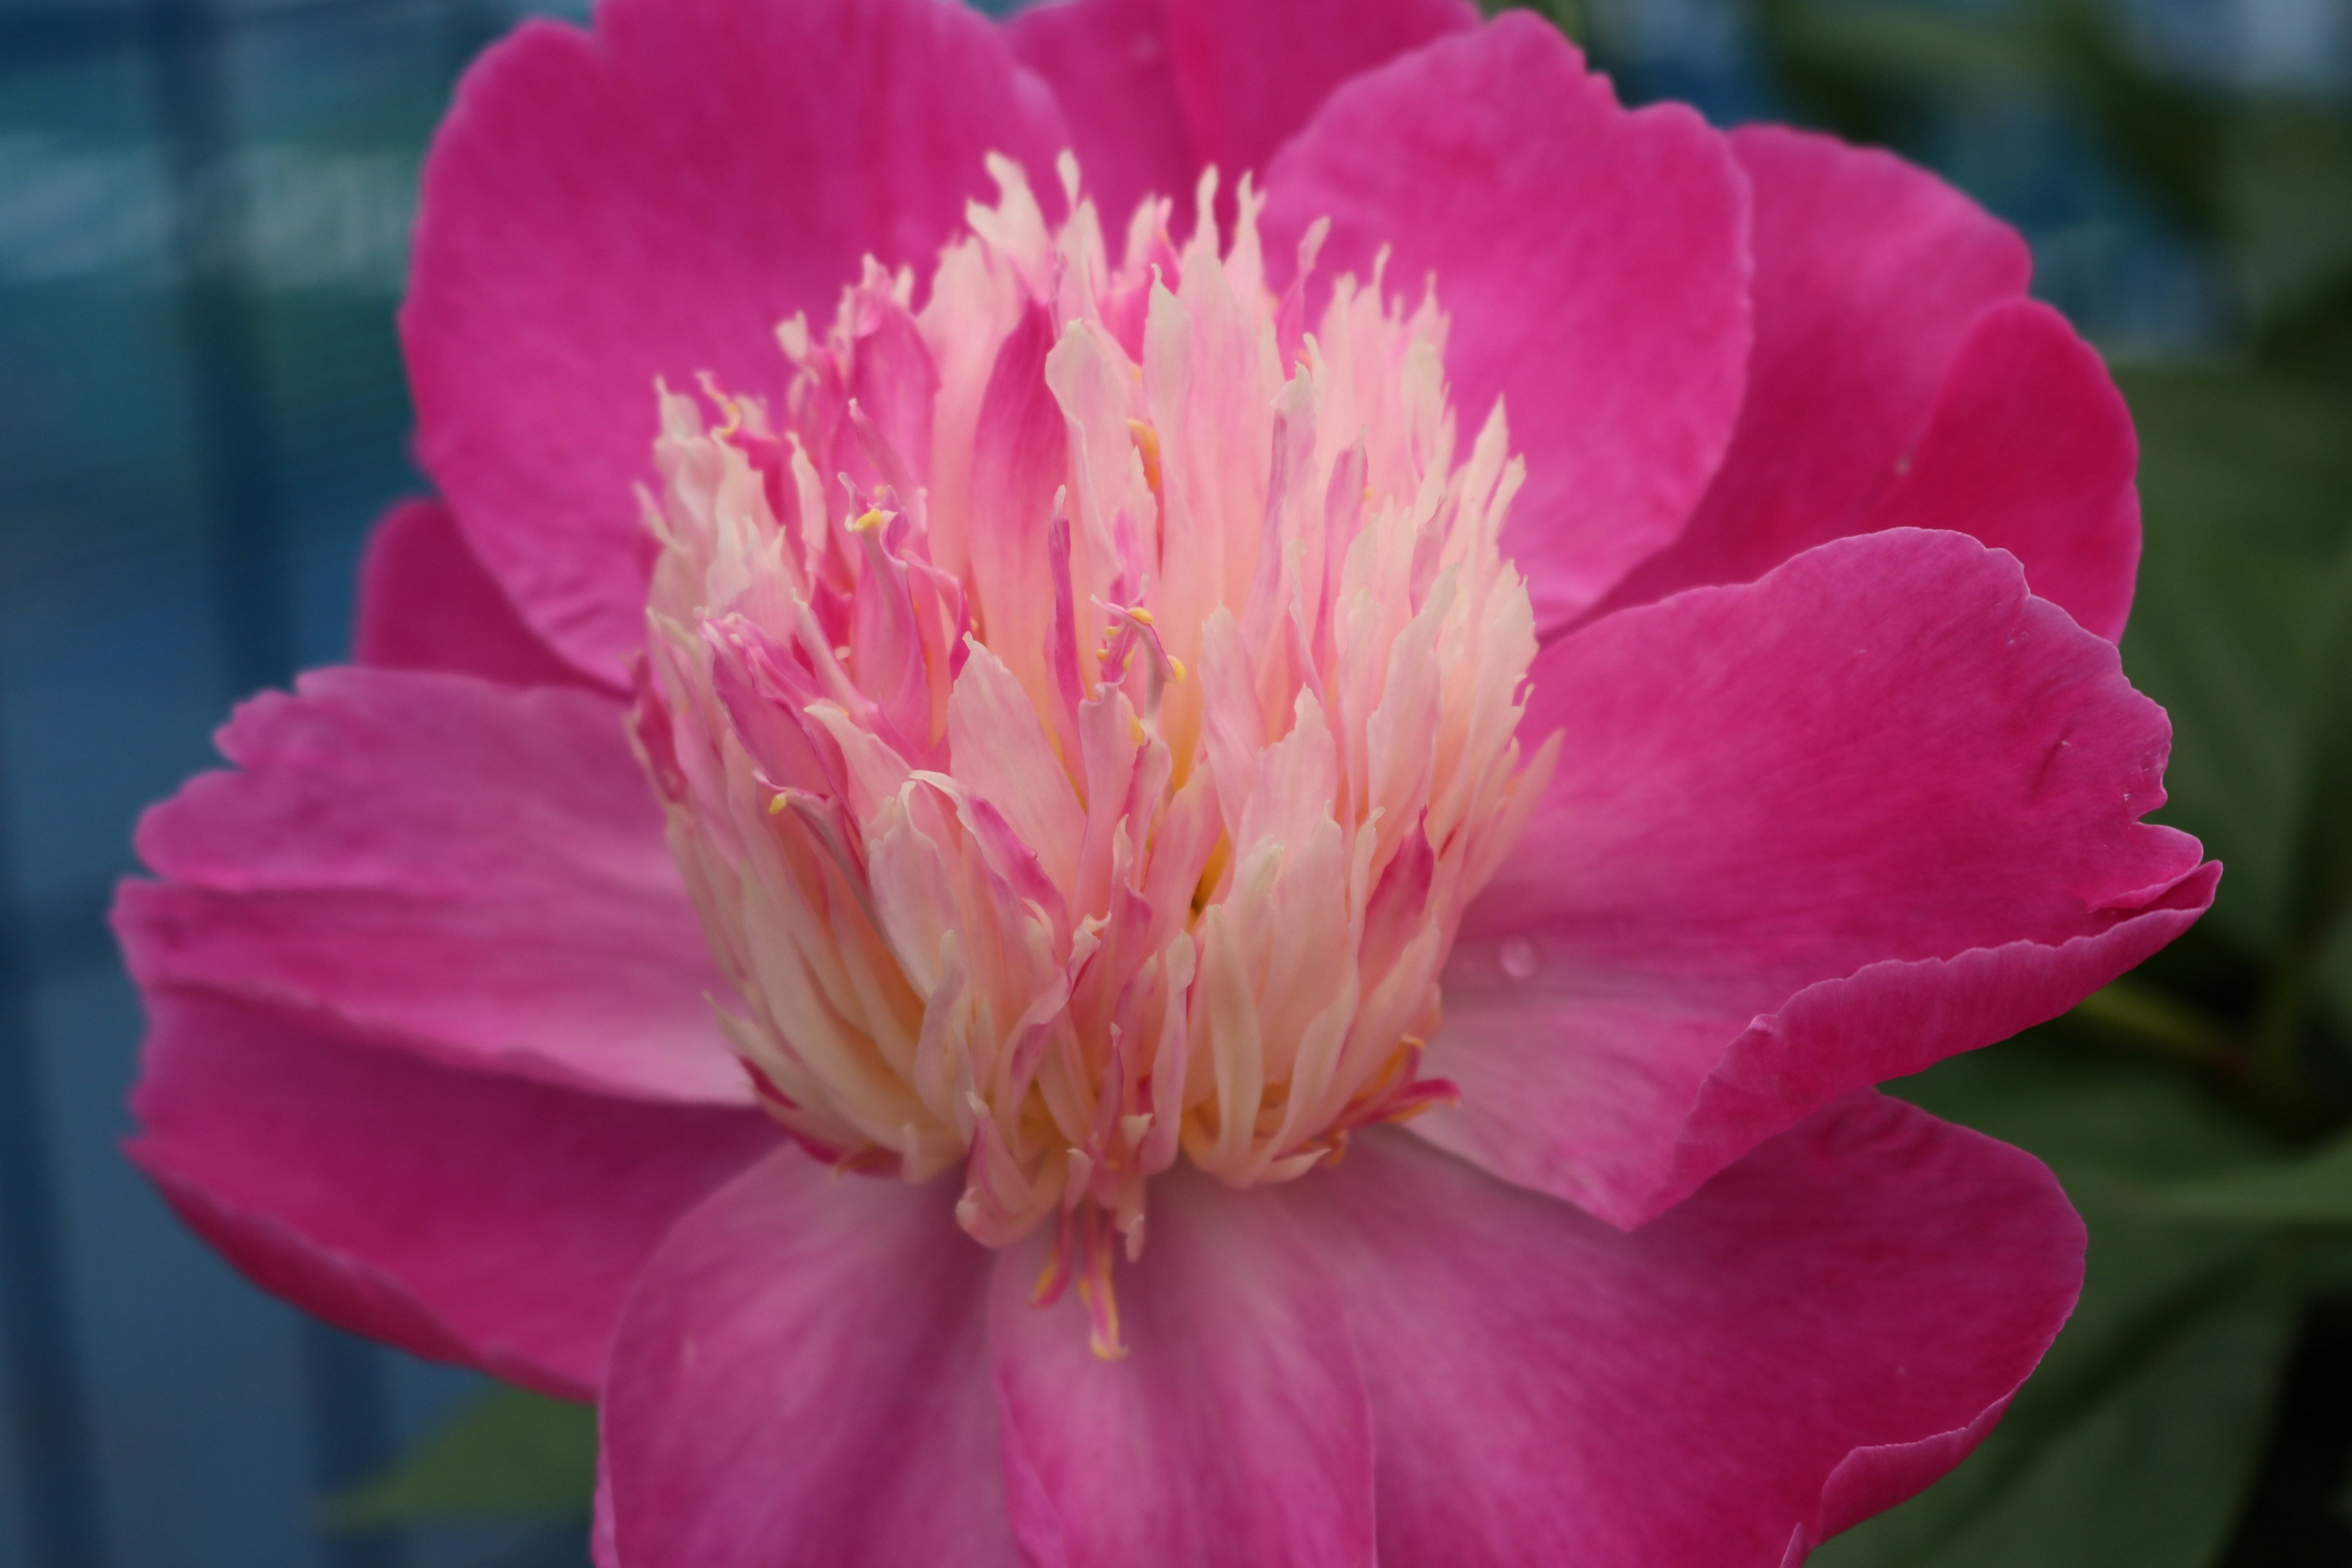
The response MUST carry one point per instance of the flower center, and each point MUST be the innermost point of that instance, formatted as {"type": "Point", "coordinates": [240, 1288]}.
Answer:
{"type": "Point", "coordinates": [1082, 709]}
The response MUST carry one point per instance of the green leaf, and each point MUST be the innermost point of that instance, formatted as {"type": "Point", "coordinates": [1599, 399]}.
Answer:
{"type": "Point", "coordinates": [1864, 67]}
{"type": "Point", "coordinates": [2136, 1443]}
{"type": "Point", "coordinates": [2335, 973]}
{"type": "Point", "coordinates": [2289, 167]}
{"type": "Point", "coordinates": [1863, 70]}
{"type": "Point", "coordinates": [2322, 892]}
{"type": "Point", "coordinates": [2316, 1190]}
{"type": "Point", "coordinates": [1568, 16]}
{"type": "Point", "coordinates": [507, 1456]}
{"type": "Point", "coordinates": [2151, 1475]}
{"type": "Point", "coordinates": [1906, 45]}
{"type": "Point", "coordinates": [2111, 1126]}
{"type": "Point", "coordinates": [2168, 132]}
{"type": "Point", "coordinates": [2244, 483]}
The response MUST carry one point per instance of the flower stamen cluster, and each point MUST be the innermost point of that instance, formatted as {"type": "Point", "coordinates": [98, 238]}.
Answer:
{"type": "Point", "coordinates": [1083, 708]}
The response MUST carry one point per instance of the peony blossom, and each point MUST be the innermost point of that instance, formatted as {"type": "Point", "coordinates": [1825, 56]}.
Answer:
{"type": "Point", "coordinates": [1159, 789]}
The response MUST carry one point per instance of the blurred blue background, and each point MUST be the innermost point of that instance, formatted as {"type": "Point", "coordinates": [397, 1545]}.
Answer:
{"type": "Point", "coordinates": [203, 217]}
{"type": "Point", "coordinates": [204, 212]}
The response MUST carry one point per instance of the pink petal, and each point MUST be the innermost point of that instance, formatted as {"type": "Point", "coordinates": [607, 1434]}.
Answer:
{"type": "Point", "coordinates": [1821, 1331]}
{"type": "Point", "coordinates": [462, 1215]}
{"type": "Point", "coordinates": [1595, 264]}
{"type": "Point", "coordinates": [1156, 89]}
{"type": "Point", "coordinates": [653, 200]}
{"type": "Point", "coordinates": [1002, 756]}
{"type": "Point", "coordinates": [1234, 1431]}
{"type": "Point", "coordinates": [2030, 449]}
{"type": "Point", "coordinates": [802, 1377]}
{"type": "Point", "coordinates": [1020, 461]}
{"type": "Point", "coordinates": [426, 603]}
{"type": "Point", "coordinates": [1869, 275]}
{"type": "Point", "coordinates": [1805, 836]}
{"type": "Point", "coordinates": [474, 870]}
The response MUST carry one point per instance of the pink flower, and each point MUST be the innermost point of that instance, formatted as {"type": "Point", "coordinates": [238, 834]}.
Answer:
{"type": "Point", "coordinates": [1341, 853]}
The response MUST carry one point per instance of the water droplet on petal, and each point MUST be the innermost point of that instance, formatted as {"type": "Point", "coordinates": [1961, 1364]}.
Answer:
{"type": "Point", "coordinates": [1520, 960]}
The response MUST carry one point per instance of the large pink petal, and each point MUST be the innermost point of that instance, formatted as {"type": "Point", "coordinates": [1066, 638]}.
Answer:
{"type": "Point", "coordinates": [426, 603]}
{"type": "Point", "coordinates": [464, 1216]}
{"type": "Point", "coordinates": [1806, 835]}
{"type": "Point", "coordinates": [475, 870]}
{"type": "Point", "coordinates": [1594, 262]}
{"type": "Point", "coordinates": [1156, 89]}
{"type": "Point", "coordinates": [801, 1376]}
{"type": "Point", "coordinates": [1869, 274]}
{"type": "Point", "coordinates": [1822, 1330]}
{"type": "Point", "coordinates": [1235, 1429]}
{"type": "Point", "coordinates": [2030, 449]}
{"type": "Point", "coordinates": [651, 200]}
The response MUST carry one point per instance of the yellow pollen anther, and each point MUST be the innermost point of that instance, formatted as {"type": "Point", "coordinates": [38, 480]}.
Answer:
{"type": "Point", "coordinates": [733, 409]}
{"type": "Point", "coordinates": [1147, 442]}
{"type": "Point", "coordinates": [1176, 669]}
{"type": "Point", "coordinates": [1136, 725]}
{"type": "Point", "coordinates": [1142, 617]}
{"type": "Point", "coordinates": [776, 807]}
{"type": "Point", "coordinates": [1049, 1280]}
{"type": "Point", "coordinates": [1101, 1300]}
{"type": "Point", "coordinates": [874, 517]}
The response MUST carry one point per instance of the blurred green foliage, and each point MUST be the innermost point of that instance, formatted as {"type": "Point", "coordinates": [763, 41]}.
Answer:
{"type": "Point", "coordinates": [2197, 1412]}
{"type": "Point", "coordinates": [509, 1455]}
